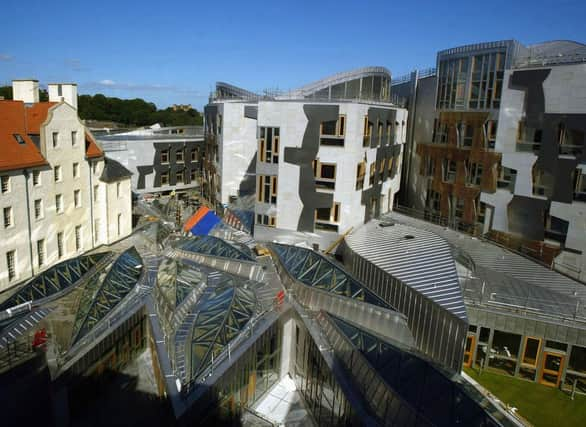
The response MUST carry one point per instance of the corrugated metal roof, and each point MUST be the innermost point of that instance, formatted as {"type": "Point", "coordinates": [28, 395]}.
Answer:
{"type": "Point", "coordinates": [416, 257]}
{"type": "Point", "coordinates": [542, 284]}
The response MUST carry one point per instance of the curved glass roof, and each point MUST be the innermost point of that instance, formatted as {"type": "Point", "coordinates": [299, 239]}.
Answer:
{"type": "Point", "coordinates": [176, 280]}
{"type": "Point", "coordinates": [316, 271]}
{"type": "Point", "coordinates": [100, 298]}
{"type": "Point", "coordinates": [433, 394]}
{"type": "Point", "coordinates": [210, 245]}
{"type": "Point", "coordinates": [220, 318]}
{"type": "Point", "coordinates": [54, 280]}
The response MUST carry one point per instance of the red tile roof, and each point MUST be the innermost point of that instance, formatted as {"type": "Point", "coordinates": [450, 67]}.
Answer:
{"type": "Point", "coordinates": [18, 119]}
{"type": "Point", "coordinates": [12, 154]}
{"type": "Point", "coordinates": [36, 115]}
{"type": "Point", "coordinates": [92, 150]}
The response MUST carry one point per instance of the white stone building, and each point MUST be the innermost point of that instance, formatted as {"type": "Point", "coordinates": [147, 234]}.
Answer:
{"type": "Point", "coordinates": [59, 195]}
{"type": "Point", "coordinates": [320, 160]}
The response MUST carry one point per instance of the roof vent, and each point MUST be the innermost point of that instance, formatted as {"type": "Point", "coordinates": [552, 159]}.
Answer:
{"type": "Point", "coordinates": [409, 237]}
{"type": "Point", "coordinates": [386, 224]}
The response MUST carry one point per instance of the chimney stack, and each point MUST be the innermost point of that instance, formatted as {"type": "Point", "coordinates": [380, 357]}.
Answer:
{"type": "Point", "coordinates": [26, 91]}
{"type": "Point", "coordinates": [66, 92]}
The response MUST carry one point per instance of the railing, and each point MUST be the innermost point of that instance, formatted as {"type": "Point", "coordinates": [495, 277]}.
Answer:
{"type": "Point", "coordinates": [541, 60]}
{"type": "Point", "coordinates": [474, 294]}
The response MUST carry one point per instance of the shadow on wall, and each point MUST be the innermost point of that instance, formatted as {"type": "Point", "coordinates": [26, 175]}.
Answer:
{"type": "Point", "coordinates": [248, 184]}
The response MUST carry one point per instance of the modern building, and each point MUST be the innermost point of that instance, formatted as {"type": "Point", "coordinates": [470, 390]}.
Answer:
{"type": "Point", "coordinates": [161, 159]}
{"type": "Point", "coordinates": [204, 331]}
{"type": "Point", "coordinates": [470, 301]}
{"type": "Point", "coordinates": [321, 159]}
{"type": "Point", "coordinates": [501, 153]}
{"type": "Point", "coordinates": [59, 195]}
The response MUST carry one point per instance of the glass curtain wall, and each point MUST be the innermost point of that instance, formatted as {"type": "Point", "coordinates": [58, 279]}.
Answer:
{"type": "Point", "coordinates": [314, 380]}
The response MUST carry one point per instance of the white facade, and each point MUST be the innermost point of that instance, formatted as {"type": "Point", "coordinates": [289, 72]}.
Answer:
{"type": "Point", "coordinates": [290, 118]}
{"type": "Point", "coordinates": [236, 138]}
{"type": "Point", "coordinates": [54, 219]}
{"type": "Point", "coordinates": [564, 93]}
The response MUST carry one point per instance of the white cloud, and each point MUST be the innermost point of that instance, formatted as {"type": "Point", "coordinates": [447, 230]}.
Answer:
{"type": "Point", "coordinates": [4, 57]}
{"type": "Point", "coordinates": [107, 82]}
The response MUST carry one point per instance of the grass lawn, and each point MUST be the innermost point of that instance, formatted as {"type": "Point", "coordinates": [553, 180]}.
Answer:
{"type": "Point", "coordinates": [540, 405]}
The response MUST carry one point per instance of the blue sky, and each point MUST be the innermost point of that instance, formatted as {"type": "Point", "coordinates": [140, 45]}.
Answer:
{"type": "Point", "coordinates": [174, 51]}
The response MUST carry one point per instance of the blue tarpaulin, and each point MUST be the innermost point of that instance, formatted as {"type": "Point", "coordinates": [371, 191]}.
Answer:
{"type": "Point", "coordinates": [205, 224]}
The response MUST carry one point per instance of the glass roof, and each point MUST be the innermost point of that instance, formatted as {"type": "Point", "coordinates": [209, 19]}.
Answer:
{"type": "Point", "coordinates": [54, 280]}
{"type": "Point", "coordinates": [176, 280]}
{"type": "Point", "coordinates": [220, 318]}
{"type": "Point", "coordinates": [428, 389]}
{"type": "Point", "coordinates": [210, 245]}
{"type": "Point", "coordinates": [101, 297]}
{"type": "Point", "coordinates": [316, 271]}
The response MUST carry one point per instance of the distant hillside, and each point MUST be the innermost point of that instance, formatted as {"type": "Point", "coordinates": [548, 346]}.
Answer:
{"type": "Point", "coordinates": [130, 112]}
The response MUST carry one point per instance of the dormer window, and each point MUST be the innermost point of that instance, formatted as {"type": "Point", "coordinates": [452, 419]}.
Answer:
{"type": "Point", "coordinates": [19, 139]}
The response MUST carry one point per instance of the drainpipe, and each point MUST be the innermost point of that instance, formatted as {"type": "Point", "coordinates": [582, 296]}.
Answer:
{"type": "Point", "coordinates": [28, 217]}
{"type": "Point", "coordinates": [92, 225]}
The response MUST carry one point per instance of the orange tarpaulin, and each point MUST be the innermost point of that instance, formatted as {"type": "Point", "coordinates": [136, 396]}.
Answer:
{"type": "Point", "coordinates": [201, 212]}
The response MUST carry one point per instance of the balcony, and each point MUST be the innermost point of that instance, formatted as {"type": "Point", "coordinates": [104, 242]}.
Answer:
{"type": "Point", "coordinates": [528, 146]}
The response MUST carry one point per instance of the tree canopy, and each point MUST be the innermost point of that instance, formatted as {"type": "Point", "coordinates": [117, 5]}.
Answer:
{"type": "Point", "coordinates": [130, 112]}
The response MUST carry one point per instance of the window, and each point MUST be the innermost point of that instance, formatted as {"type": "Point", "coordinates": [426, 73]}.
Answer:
{"type": "Point", "coordinates": [38, 209]}
{"type": "Point", "coordinates": [571, 141]}
{"type": "Point", "coordinates": [391, 163]}
{"type": "Point", "coordinates": [457, 206]}
{"type": "Point", "coordinates": [267, 189]}
{"type": "Point", "coordinates": [372, 173]}
{"type": "Point", "coordinates": [490, 128]}
{"type": "Point", "coordinates": [332, 132]}
{"type": "Point", "coordinates": [60, 244]}
{"type": "Point", "coordinates": [465, 134]}
{"type": "Point", "coordinates": [77, 198]}
{"type": "Point", "coordinates": [77, 237]}
{"type": "Point", "coordinates": [165, 178]}
{"type": "Point", "coordinates": [579, 185]}
{"type": "Point", "coordinates": [327, 218]}
{"type": "Point", "coordinates": [268, 220]}
{"type": "Point", "coordinates": [11, 263]}
{"type": "Point", "coordinates": [94, 167]}
{"type": "Point", "coordinates": [367, 132]}
{"type": "Point", "coordinates": [119, 224]}
{"type": "Point", "coordinates": [179, 177]}
{"type": "Point", "coordinates": [73, 138]}
{"type": "Point", "coordinates": [96, 193]}
{"type": "Point", "coordinates": [165, 156]}
{"type": "Point", "coordinates": [449, 168]}
{"type": "Point", "coordinates": [380, 130]}
{"type": "Point", "coordinates": [5, 181]}
{"type": "Point", "coordinates": [55, 139]}
{"type": "Point", "coordinates": [269, 145]}
{"type": "Point", "coordinates": [179, 156]}
{"type": "Point", "coordinates": [8, 217]}
{"type": "Point", "coordinates": [193, 175]}
{"type": "Point", "coordinates": [433, 200]}
{"type": "Point", "coordinates": [41, 252]}
{"type": "Point", "coordinates": [325, 175]}
{"type": "Point", "coordinates": [360, 173]}
{"type": "Point", "coordinates": [473, 173]}
{"type": "Point", "coordinates": [57, 173]}
{"type": "Point", "coordinates": [36, 178]}
{"type": "Point", "coordinates": [528, 139]}
{"type": "Point", "coordinates": [76, 170]}
{"type": "Point", "coordinates": [381, 168]}
{"type": "Point", "coordinates": [429, 166]}
{"type": "Point", "coordinates": [194, 154]}
{"type": "Point", "coordinates": [59, 203]}
{"type": "Point", "coordinates": [19, 138]}
{"type": "Point", "coordinates": [390, 134]}
{"type": "Point", "coordinates": [118, 189]}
